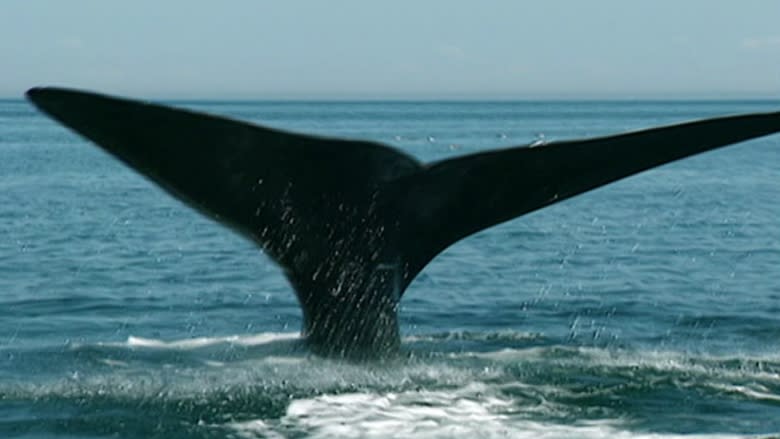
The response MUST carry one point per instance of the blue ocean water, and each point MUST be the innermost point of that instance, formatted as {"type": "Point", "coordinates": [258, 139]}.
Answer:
{"type": "Point", "coordinates": [648, 308]}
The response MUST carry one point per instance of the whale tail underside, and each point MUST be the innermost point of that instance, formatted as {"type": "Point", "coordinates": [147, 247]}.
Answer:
{"type": "Point", "coordinates": [319, 206]}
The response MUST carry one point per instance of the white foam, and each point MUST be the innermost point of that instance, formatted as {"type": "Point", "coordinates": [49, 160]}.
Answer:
{"type": "Point", "coordinates": [754, 391]}
{"type": "Point", "coordinates": [461, 413]}
{"type": "Point", "coordinates": [473, 336]}
{"type": "Point", "coordinates": [663, 361]}
{"type": "Point", "coordinates": [200, 342]}
{"type": "Point", "coordinates": [405, 414]}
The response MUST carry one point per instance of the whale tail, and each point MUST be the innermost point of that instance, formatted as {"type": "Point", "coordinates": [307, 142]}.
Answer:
{"type": "Point", "coordinates": [480, 190]}
{"type": "Point", "coordinates": [353, 222]}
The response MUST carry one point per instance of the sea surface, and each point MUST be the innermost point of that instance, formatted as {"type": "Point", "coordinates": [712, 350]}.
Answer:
{"type": "Point", "coordinates": [648, 308]}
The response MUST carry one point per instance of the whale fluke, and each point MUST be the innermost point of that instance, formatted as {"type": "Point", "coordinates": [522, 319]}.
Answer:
{"type": "Point", "coordinates": [352, 223]}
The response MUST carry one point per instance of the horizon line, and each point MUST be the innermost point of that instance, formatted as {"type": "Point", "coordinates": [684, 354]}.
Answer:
{"type": "Point", "coordinates": [230, 97]}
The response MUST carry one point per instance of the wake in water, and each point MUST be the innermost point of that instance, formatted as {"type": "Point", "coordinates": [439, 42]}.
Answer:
{"type": "Point", "coordinates": [266, 385]}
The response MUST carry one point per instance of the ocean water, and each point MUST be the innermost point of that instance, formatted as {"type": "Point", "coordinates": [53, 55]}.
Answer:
{"type": "Point", "coordinates": [648, 308]}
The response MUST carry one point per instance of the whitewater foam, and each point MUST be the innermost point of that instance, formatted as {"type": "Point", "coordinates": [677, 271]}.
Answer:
{"type": "Point", "coordinates": [471, 411]}
{"type": "Point", "coordinates": [200, 342]}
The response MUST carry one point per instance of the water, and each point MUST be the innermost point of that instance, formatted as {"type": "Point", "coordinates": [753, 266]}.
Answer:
{"type": "Point", "coordinates": [649, 308]}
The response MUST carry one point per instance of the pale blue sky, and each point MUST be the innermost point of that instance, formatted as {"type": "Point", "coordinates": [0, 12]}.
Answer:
{"type": "Point", "coordinates": [350, 49]}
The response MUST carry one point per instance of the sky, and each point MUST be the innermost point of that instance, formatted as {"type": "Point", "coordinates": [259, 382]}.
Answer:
{"type": "Point", "coordinates": [400, 49]}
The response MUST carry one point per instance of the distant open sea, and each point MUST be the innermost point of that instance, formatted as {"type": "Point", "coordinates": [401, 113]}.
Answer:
{"type": "Point", "coordinates": [648, 308]}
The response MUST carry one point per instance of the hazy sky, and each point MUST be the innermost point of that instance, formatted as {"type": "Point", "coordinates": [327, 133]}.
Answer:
{"type": "Point", "coordinates": [394, 49]}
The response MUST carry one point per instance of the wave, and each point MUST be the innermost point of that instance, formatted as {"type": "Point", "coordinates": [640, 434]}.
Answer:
{"type": "Point", "coordinates": [457, 414]}
{"type": "Point", "coordinates": [524, 385]}
{"type": "Point", "coordinates": [200, 342]}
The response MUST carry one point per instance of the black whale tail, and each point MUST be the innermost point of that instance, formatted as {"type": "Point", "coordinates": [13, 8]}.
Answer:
{"type": "Point", "coordinates": [353, 222]}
